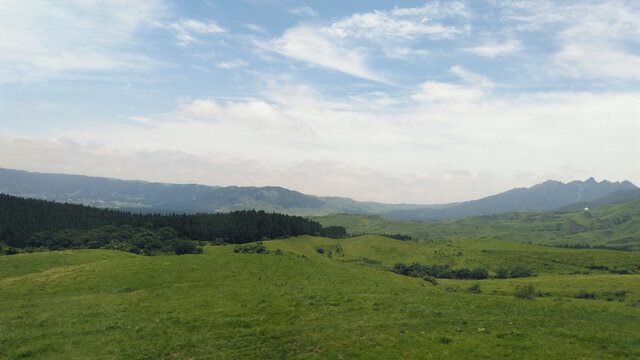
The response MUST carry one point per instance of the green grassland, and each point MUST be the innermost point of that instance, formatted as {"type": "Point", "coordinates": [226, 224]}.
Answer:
{"type": "Point", "coordinates": [609, 225]}
{"type": "Point", "coordinates": [491, 254]}
{"type": "Point", "coordinates": [341, 302]}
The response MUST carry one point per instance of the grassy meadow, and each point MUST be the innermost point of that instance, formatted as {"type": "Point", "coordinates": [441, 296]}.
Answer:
{"type": "Point", "coordinates": [340, 302]}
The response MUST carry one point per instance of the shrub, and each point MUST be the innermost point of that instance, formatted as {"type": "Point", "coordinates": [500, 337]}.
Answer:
{"type": "Point", "coordinates": [430, 279]}
{"type": "Point", "coordinates": [502, 273]}
{"type": "Point", "coordinates": [256, 248]}
{"type": "Point", "coordinates": [186, 247]}
{"type": "Point", "coordinates": [401, 268]}
{"type": "Point", "coordinates": [320, 250]}
{"type": "Point", "coordinates": [582, 294]}
{"type": "Point", "coordinates": [520, 272]}
{"type": "Point", "coordinates": [621, 293]}
{"type": "Point", "coordinates": [463, 273]}
{"type": "Point", "coordinates": [475, 289]}
{"type": "Point", "coordinates": [525, 292]}
{"type": "Point", "coordinates": [479, 274]}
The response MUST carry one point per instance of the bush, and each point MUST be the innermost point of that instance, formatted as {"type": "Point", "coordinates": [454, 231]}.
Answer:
{"type": "Point", "coordinates": [182, 247]}
{"type": "Point", "coordinates": [502, 273]}
{"type": "Point", "coordinates": [479, 274]}
{"type": "Point", "coordinates": [8, 250]}
{"type": "Point", "coordinates": [401, 268]}
{"type": "Point", "coordinates": [430, 279]}
{"type": "Point", "coordinates": [582, 294]}
{"type": "Point", "coordinates": [620, 293]}
{"type": "Point", "coordinates": [525, 292]}
{"type": "Point", "coordinates": [256, 248]}
{"type": "Point", "coordinates": [463, 273]}
{"type": "Point", "coordinates": [475, 289]}
{"type": "Point", "coordinates": [520, 272]}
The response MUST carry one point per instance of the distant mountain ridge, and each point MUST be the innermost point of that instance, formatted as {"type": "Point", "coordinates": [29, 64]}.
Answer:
{"type": "Point", "coordinates": [617, 197]}
{"type": "Point", "coordinates": [192, 198]}
{"type": "Point", "coordinates": [549, 195]}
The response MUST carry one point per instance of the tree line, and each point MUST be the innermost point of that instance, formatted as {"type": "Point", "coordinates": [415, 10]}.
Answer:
{"type": "Point", "coordinates": [38, 223]}
{"type": "Point", "coordinates": [446, 272]}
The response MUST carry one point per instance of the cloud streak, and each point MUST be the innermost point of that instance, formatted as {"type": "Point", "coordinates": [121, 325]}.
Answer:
{"type": "Point", "coordinates": [187, 30]}
{"type": "Point", "coordinates": [494, 49]}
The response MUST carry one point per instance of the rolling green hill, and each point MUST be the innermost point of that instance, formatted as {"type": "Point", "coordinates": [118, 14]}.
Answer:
{"type": "Point", "coordinates": [307, 304]}
{"type": "Point", "coordinates": [615, 226]}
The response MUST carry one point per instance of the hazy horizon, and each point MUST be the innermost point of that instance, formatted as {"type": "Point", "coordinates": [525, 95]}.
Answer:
{"type": "Point", "coordinates": [405, 102]}
{"type": "Point", "coordinates": [329, 195]}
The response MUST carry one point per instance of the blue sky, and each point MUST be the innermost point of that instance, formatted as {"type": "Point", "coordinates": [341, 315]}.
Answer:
{"type": "Point", "coordinates": [412, 101]}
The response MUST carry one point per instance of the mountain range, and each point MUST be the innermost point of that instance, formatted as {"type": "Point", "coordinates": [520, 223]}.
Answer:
{"type": "Point", "coordinates": [144, 196]}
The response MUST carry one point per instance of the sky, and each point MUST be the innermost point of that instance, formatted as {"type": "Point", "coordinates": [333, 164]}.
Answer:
{"type": "Point", "coordinates": [395, 102]}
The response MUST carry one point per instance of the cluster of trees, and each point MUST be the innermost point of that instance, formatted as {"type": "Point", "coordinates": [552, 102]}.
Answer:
{"type": "Point", "coordinates": [256, 248]}
{"type": "Point", "coordinates": [402, 237]}
{"type": "Point", "coordinates": [439, 271]}
{"type": "Point", "coordinates": [446, 272]}
{"type": "Point", "coordinates": [602, 247]}
{"type": "Point", "coordinates": [125, 238]}
{"type": "Point", "coordinates": [38, 223]}
{"type": "Point", "coordinates": [516, 272]}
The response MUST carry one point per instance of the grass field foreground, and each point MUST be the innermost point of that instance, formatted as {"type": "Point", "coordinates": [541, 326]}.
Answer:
{"type": "Point", "coordinates": [302, 304]}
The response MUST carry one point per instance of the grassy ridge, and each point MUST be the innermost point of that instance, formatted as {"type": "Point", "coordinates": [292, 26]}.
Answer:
{"type": "Point", "coordinates": [491, 254]}
{"type": "Point", "coordinates": [610, 225]}
{"type": "Point", "coordinates": [303, 304]}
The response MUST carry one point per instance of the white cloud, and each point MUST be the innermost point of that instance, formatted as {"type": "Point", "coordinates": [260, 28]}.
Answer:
{"type": "Point", "coordinates": [256, 28]}
{"type": "Point", "coordinates": [187, 29]}
{"type": "Point", "coordinates": [346, 44]}
{"type": "Point", "coordinates": [141, 119]}
{"type": "Point", "coordinates": [439, 92]}
{"type": "Point", "coordinates": [379, 25]}
{"type": "Point", "coordinates": [494, 49]}
{"type": "Point", "coordinates": [435, 9]}
{"type": "Point", "coordinates": [317, 46]}
{"type": "Point", "coordinates": [601, 41]}
{"type": "Point", "coordinates": [303, 11]}
{"type": "Point", "coordinates": [258, 115]}
{"type": "Point", "coordinates": [470, 77]}
{"type": "Point", "coordinates": [44, 40]}
{"type": "Point", "coordinates": [594, 39]}
{"type": "Point", "coordinates": [405, 53]}
{"type": "Point", "coordinates": [231, 64]}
